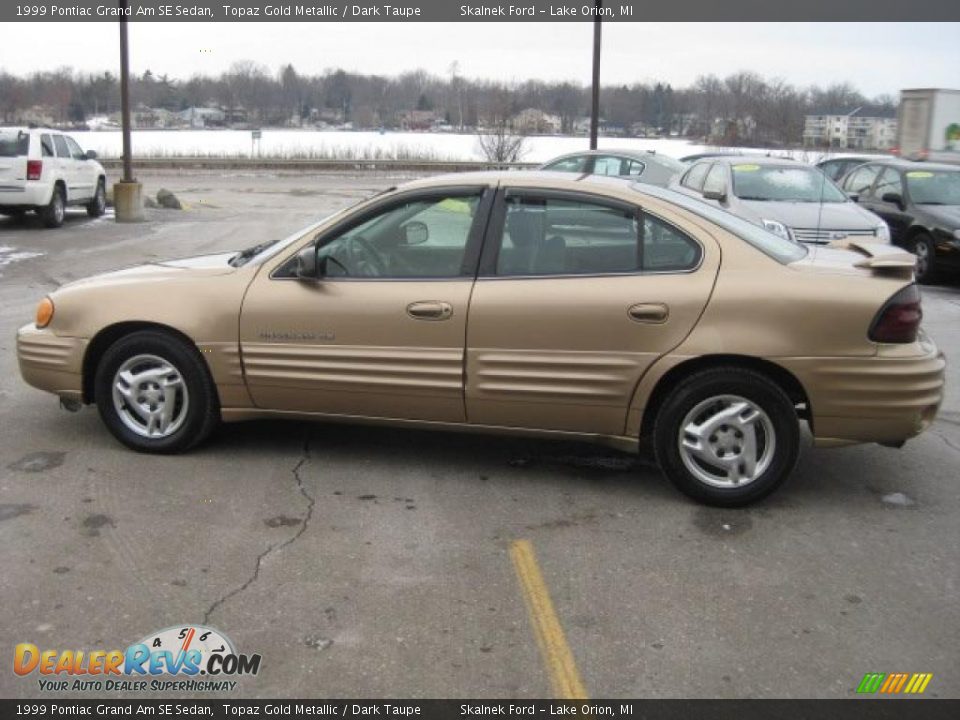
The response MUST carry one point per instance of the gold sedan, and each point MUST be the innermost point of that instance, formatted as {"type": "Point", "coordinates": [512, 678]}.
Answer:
{"type": "Point", "coordinates": [527, 303]}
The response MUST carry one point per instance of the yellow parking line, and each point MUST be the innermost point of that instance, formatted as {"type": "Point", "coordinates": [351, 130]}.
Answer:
{"type": "Point", "coordinates": [553, 643]}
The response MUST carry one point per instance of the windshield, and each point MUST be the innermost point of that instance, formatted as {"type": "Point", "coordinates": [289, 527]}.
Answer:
{"type": "Point", "coordinates": [785, 183]}
{"type": "Point", "coordinates": [13, 143]}
{"type": "Point", "coordinates": [930, 187]}
{"type": "Point", "coordinates": [779, 248]}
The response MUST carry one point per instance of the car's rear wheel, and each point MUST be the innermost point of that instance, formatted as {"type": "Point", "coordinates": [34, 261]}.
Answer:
{"type": "Point", "coordinates": [922, 246]}
{"type": "Point", "coordinates": [727, 436]}
{"type": "Point", "coordinates": [54, 211]}
{"type": "Point", "coordinates": [98, 205]}
{"type": "Point", "coordinates": [154, 394]}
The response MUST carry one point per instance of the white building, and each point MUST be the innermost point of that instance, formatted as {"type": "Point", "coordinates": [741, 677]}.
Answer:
{"type": "Point", "coordinates": [862, 128]}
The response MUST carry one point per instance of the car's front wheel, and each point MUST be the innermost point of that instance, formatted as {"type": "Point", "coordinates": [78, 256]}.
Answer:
{"type": "Point", "coordinates": [727, 436]}
{"type": "Point", "coordinates": [98, 204]}
{"type": "Point", "coordinates": [154, 394]}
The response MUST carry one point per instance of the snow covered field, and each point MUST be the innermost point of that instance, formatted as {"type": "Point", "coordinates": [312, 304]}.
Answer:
{"type": "Point", "coordinates": [360, 145]}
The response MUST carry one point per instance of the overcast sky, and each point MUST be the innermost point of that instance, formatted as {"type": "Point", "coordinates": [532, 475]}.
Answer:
{"type": "Point", "coordinates": [876, 57]}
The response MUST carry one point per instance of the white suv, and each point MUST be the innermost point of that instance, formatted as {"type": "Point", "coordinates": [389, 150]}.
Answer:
{"type": "Point", "coordinates": [44, 170]}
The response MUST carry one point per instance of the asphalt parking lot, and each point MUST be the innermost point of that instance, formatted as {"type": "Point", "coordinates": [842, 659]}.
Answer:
{"type": "Point", "coordinates": [376, 562]}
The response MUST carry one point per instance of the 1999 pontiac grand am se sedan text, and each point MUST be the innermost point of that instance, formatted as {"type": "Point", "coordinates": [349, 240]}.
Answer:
{"type": "Point", "coordinates": [530, 303]}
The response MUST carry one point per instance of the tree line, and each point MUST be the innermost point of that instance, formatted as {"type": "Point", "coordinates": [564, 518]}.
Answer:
{"type": "Point", "coordinates": [743, 106]}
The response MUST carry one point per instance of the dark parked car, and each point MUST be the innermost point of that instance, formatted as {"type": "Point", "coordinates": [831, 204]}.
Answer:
{"type": "Point", "coordinates": [646, 166]}
{"type": "Point", "coordinates": [836, 168]}
{"type": "Point", "coordinates": [921, 204]}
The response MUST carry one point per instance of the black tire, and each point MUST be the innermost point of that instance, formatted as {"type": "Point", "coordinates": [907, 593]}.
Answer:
{"type": "Point", "coordinates": [54, 211]}
{"type": "Point", "coordinates": [923, 247]}
{"type": "Point", "coordinates": [202, 412]}
{"type": "Point", "coordinates": [98, 206]}
{"type": "Point", "coordinates": [706, 388]}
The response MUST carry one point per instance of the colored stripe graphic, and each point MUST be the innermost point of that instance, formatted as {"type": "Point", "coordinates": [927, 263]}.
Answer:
{"type": "Point", "coordinates": [894, 683]}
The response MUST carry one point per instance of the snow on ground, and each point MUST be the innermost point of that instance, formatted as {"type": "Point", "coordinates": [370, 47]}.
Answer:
{"type": "Point", "coordinates": [311, 143]}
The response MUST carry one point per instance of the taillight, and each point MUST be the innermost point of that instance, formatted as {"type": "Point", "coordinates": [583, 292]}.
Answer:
{"type": "Point", "coordinates": [899, 320]}
{"type": "Point", "coordinates": [34, 169]}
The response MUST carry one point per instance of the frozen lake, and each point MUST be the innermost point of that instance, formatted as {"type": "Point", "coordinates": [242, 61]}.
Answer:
{"type": "Point", "coordinates": [360, 145]}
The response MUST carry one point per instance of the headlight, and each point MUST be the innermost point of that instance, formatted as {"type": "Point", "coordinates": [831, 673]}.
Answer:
{"type": "Point", "coordinates": [883, 232]}
{"type": "Point", "coordinates": [44, 312]}
{"type": "Point", "coordinates": [777, 228]}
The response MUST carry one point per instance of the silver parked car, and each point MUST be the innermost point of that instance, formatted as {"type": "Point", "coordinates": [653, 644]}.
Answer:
{"type": "Point", "coordinates": [789, 198]}
{"type": "Point", "coordinates": [645, 166]}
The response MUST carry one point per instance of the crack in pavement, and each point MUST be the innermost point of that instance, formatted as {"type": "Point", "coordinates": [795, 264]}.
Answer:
{"type": "Point", "coordinates": [311, 501]}
{"type": "Point", "coordinates": [947, 440]}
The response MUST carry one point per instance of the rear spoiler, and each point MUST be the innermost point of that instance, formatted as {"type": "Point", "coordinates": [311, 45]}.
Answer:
{"type": "Point", "coordinates": [880, 256]}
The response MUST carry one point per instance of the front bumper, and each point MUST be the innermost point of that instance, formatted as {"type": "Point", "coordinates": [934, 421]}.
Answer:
{"type": "Point", "coordinates": [50, 362]}
{"type": "Point", "coordinates": [887, 398]}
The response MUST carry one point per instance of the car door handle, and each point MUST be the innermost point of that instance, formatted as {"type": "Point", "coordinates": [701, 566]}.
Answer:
{"type": "Point", "coordinates": [649, 312]}
{"type": "Point", "coordinates": [430, 310]}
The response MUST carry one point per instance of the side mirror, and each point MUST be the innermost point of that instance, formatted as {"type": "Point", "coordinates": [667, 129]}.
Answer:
{"type": "Point", "coordinates": [89, 155]}
{"type": "Point", "coordinates": [718, 195]}
{"type": "Point", "coordinates": [894, 198]}
{"type": "Point", "coordinates": [854, 197]}
{"type": "Point", "coordinates": [416, 233]}
{"type": "Point", "coordinates": [307, 266]}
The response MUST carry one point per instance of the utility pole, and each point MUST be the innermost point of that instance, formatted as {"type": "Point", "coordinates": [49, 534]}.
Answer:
{"type": "Point", "coordinates": [127, 194]}
{"type": "Point", "coordinates": [595, 101]}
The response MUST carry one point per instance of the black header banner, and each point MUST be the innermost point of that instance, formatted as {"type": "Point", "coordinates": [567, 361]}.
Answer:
{"type": "Point", "coordinates": [918, 709]}
{"type": "Point", "coordinates": [483, 11]}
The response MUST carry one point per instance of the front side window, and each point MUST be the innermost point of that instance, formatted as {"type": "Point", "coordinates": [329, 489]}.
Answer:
{"type": "Point", "coordinates": [559, 236]}
{"type": "Point", "coordinates": [695, 175]}
{"type": "Point", "coordinates": [575, 164]}
{"type": "Point", "coordinates": [861, 180]}
{"type": "Point", "coordinates": [423, 238]}
{"type": "Point", "coordinates": [783, 183]}
{"type": "Point", "coordinates": [76, 152]}
{"type": "Point", "coordinates": [61, 144]}
{"type": "Point", "coordinates": [889, 182]}
{"type": "Point", "coordinates": [716, 180]}
{"type": "Point", "coordinates": [607, 165]}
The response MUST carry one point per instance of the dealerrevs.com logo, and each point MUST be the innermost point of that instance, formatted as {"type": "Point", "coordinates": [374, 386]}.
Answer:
{"type": "Point", "coordinates": [182, 658]}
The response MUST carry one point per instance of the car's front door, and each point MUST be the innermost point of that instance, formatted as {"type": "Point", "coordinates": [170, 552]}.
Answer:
{"type": "Point", "coordinates": [85, 172]}
{"type": "Point", "coordinates": [381, 332]}
{"type": "Point", "coordinates": [577, 295]}
{"type": "Point", "coordinates": [893, 211]}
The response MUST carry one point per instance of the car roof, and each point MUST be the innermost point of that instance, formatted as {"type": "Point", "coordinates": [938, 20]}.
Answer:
{"type": "Point", "coordinates": [638, 154]}
{"type": "Point", "coordinates": [547, 178]}
{"type": "Point", "coordinates": [755, 160]}
{"type": "Point", "coordinates": [914, 164]}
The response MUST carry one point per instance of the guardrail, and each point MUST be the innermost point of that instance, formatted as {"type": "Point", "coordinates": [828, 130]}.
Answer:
{"type": "Point", "coordinates": [304, 165]}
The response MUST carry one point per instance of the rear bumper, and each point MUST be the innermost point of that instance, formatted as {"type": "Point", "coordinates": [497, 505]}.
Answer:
{"type": "Point", "coordinates": [52, 363]}
{"type": "Point", "coordinates": [884, 398]}
{"type": "Point", "coordinates": [30, 195]}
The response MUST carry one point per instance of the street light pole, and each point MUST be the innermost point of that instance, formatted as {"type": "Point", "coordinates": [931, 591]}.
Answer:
{"type": "Point", "coordinates": [595, 100]}
{"type": "Point", "coordinates": [128, 193]}
{"type": "Point", "coordinates": [125, 93]}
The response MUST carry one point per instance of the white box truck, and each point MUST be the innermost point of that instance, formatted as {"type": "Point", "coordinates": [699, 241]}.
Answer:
{"type": "Point", "coordinates": [928, 125]}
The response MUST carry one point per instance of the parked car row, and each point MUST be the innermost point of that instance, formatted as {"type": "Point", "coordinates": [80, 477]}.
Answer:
{"type": "Point", "coordinates": [915, 205]}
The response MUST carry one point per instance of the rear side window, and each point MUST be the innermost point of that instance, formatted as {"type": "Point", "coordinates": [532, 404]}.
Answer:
{"type": "Point", "coordinates": [695, 175]}
{"type": "Point", "coordinates": [46, 145]}
{"type": "Point", "coordinates": [861, 180]}
{"type": "Point", "coordinates": [14, 144]}
{"type": "Point", "coordinates": [607, 165]}
{"type": "Point", "coordinates": [551, 236]}
{"type": "Point", "coordinates": [61, 144]}
{"type": "Point", "coordinates": [635, 168]}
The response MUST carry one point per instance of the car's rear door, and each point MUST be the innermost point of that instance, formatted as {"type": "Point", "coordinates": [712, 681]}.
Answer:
{"type": "Point", "coordinates": [382, 333]}
{"type": "Point", "coordinates": [577, 295]}
{"type": "Point", "coordinates": [65, 165]}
